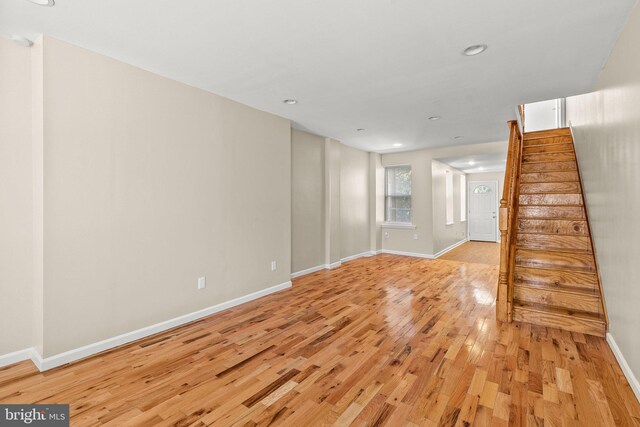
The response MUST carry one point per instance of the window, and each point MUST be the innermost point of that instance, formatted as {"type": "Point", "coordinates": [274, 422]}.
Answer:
{"type": "Point", "coordinates": [481, 189]}
{"type": "Point", "coordinates": [463, 198]}
{"type": "Point", "coordinates": [449, 196]}
{"type": "Point", "coordinates": [397, 194]}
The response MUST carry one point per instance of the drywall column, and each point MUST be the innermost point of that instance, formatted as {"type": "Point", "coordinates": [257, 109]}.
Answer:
{"type": "Point", "coordinates": [307, 201]}
{"type": "Point", "coordinates": [332, 202]}
{"type": "Point", "coordinates": [16, 228]}
{"type": "Point", "coordinates": [354, 202]}
{"type": "Point", "coordinates": [37, 155]}
{"type": "Point", "coordinates": [376, 201]}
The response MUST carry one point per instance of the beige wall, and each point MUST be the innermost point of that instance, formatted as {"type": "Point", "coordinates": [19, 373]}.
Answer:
{"type": "Point", "coordinates": [307, 200]}
{"type": "Point", "coordinates": [606, 125]}
{"type": "Point", "coordinates": [17, 319]}
{"type": "Point", "coordinates": [445, 235]}
{"type": "Point", "coordinates": [150, 184]}
{"type": "Point", "coordinates": [490, 176]}
{"type": "Point", "coordinates": [402, 240]}
{"type": "Point", "coordinates": [354, 202]}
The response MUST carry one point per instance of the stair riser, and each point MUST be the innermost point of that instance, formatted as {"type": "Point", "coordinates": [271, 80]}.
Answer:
{"type": "Point", "coordinates": [549, 167]}
{"type": "Point", "coordinates": [570, 176]}
{"type": "Point", "coordinates": [553, 226]}
{"type": "Point", "coordinates": [548, 148]}
{"type": "Point", "coordinates": [555, 278]}
{"type": "Point", "coordinates": [551, 199]}
{"type": "Point", "coordinates": [528, 142]}
{"type": "Point", "coordinates": [547, 134]}
{"type": "Point", "coordinates": [587, 303]}
{"type": "Point", "coordinates": [543, 241]}
{"type": "Point", "coordinates": [573, 324]}
{"type": "Point", "coordinates": [555, 260]}
{"type": "Point", "coordinates": [551, 187]}
{"type": "Point", "coordinates": [548, 157]}
{"type": "Point", "coordinates": [552, 212]}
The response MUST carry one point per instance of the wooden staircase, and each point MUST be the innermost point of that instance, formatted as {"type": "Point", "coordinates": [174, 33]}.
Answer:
{"type": "Point", "coordinates": [550, 275]}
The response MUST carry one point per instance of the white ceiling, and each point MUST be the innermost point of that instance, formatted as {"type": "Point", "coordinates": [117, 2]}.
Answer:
{"type": "Point", "coordinates": [383, 65]}
{"type": "Point", "coordinates": [478, 163]}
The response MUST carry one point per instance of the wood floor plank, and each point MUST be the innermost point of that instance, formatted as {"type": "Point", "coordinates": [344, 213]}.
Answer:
{"type": "Point", "coordinates": [384, 340]}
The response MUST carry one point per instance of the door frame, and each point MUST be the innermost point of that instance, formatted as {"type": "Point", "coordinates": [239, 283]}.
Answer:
{"type": "Point", "coordinates": [497, 206]}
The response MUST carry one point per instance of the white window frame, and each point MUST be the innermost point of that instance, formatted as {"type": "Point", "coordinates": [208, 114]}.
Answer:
{"type": "Point", "coordinates": [396, 224]}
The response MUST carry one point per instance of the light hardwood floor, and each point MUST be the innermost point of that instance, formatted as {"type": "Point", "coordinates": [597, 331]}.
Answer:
{"type": "Point", "coordinates": [386, 340]}
{"type": "Point", "coordinates": [475, 252]}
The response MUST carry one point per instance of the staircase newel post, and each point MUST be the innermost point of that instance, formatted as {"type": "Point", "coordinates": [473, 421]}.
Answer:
{"type": "Point", "coordinates": [503, 304]}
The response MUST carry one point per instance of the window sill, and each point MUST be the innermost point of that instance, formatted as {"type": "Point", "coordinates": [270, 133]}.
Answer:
{"type": "Point", "coordinates": [398, 225]}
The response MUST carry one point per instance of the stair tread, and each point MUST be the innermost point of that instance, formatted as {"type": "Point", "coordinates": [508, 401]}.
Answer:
{"type": "Point", "coordinates": [559, 311]}
{"type": "Point", "coordinates": [553, 147]}
{"type": "Point", "coordinates": [551, 218]}
{"type": "Point", "coordinates": [550, 199]}
{"type": "Point", "coordinates": [559, 268]}
{"type": "Point", "coordinates": [563, 260]}
{"type": "Point", "coordinates": [553, 227]}
{"type": "Point", "coordinates": [542, 142]}
{"type": "Point", "coordinates": [555, 206]}
{"type": "Point", "coordinates": [554, 269]}
{"type": "Point", "coordinates": [563, 289]}
{"type": "Point", "coordinates": [547, 133]}
{"type": "Point", "coordinates": [552, 249]}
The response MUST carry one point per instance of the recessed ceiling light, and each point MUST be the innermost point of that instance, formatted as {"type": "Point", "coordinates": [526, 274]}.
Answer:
{"type": "Point", "coordinates": [397, 144]}
{"type": "Point", "coordinates": [360, 130]}
{"type": "Point", "coordinates": [43, 2]}
{"type": "Point", "coordinates": [22, 41]}
{"type": "Point", "coordinates": [435, 118]}
{"type": "Point", "coordinates": [458, 137]}
{"type": "Point", "coordinates": [471, 163]}
{"type": "Point", "coordinates": [290, 101]}
{"type": "Point", "coordinates": [481, 168]}
{"type": "Point", "coordinates": [476, 49]}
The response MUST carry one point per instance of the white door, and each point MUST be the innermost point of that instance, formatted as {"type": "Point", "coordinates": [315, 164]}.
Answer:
{"type": "Point", "coordinates": [483, 211]}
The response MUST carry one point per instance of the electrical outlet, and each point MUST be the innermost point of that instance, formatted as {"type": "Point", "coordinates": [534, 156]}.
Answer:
{"type": "Point", "coordinates": [415, 236]}
{"type": "Point", "coordinates": [202, 282]}
{"type": "Point", "coordinates": [386, 234]}
{"type": "Point", "coordinates": [274, 266]}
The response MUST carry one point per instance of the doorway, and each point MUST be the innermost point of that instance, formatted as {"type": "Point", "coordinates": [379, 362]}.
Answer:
{"type": "Point", "coordinates": [483, 204]}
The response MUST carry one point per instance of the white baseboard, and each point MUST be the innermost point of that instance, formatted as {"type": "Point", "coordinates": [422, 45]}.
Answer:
{"type": "Point", "coordinates": [356, 256]}
{"type": "Point", "coordinates": [419, 255]}
{"type": "Point", "coordinates": [455, 245]}
{"type": "Point", "coordinates": [51, 362]}
{"type": "Point", "coordinates": [626, 369]}
{"type": "Point", "coordinates": [19, 356]}
{"type": "Point", "coordinates": [308, 271]}
{"type": "Point", "coordinates": [412, 254]}
{"type": "Point", "coordinates": [333, 265]}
